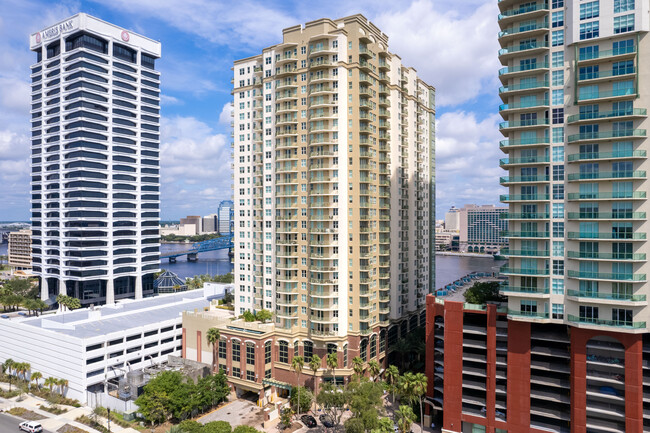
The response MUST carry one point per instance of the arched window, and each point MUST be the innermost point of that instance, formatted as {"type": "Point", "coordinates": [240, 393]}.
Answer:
{"type": "Point", "coordinates": [331, 348]}
{"type": "Point", "coordinates": [296, 348]}
{"type": "Point", "coordinates": [250, 354]}
{"type": "Point", "coordinates": [308, 350]}
{"type": "Point", "coordinates": [345, 355]}
{"type": "Point", "coordinates": [373, 346]}
{"type": "Point", "coordinates": [284, 352]}
{"type": "Point", "coordinates": [382, 341]}
{"type": "Point", "coordinates": [363, 349]}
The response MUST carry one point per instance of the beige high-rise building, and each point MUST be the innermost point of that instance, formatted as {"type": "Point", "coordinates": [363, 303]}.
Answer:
{"type": "Point", "coordinates": [20, 250]}
{"type": "Point", "coordinates": [333, 189]}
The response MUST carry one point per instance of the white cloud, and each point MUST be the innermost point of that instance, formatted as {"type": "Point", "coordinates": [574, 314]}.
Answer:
{"type": "Point", "coordinates": [168, 100]}
{"type": "Point", "coordinates": [225, 116]}
{"type": "Point", "coordinates": [456, 53]}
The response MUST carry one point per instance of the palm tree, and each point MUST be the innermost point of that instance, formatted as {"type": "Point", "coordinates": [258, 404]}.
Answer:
{"type": "Point", "coordinates": [404, 417]}
{"type": "Point", "coordinates": [7, 366]}
{"type": "Point", "coordinates": [50, 382]}
{"type": "Point", "coordinates": [213, 338]}
{"type": "Point", "coordinates": [314, 365]}
{"type": "Point", "coordinates": [374, 368]}
{"type": "Point", "coordinates": [36, 376]}
{"type": "Point", "coordinates": [358, 366]}
{"type": "Point", "coordinates": [419, 389]}
{"type": "Point", "coordinates": [22, 368]}
{"type": "Point", "coordinates": [392, 376]}
{"type": "Point", "coordinates": [297, 363]}
{"type": "Point", "coordinates": [63, 384]}
{"type": "Point", "coordinates": [332, 362]}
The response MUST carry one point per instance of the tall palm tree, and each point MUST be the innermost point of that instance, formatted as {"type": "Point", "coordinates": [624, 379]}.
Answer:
{"type": "Point", "coordinates": [50, 382]}
{"type": "Point", "coordinates": [22, 368]}
{"type": "Point", "coordinates": [358, 366]}
{"type": "Point", "coordinates": [374, 368]}
{"type": "Point", "coordinates": [314, 365]}
{"type": "Point", "coordinates": [63, 384]}
{"type": "Point", "coordinates": [404, 417]}
{"type": "Point", "coordinates": [392, 376]}
{"type": "Point", "coordinates": [332, 362]}
{"type": "Point", "coordinates": [419, 389]}
{"type": "Point", "coordinates": [7, 366]}
{"type": "Point", "coordinates": [213, 338]}
{"type": "Point", "coordinates": [297, 363]}
{"type": "Point", "coordinates": [36, 376]}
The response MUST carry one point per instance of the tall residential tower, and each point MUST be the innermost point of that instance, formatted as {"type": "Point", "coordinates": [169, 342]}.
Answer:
{"type": "Point", "coordinates": [95, 160]}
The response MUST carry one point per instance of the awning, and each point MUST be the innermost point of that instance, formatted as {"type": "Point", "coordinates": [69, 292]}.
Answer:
{"type": "Point", "coordinates": [277, 384]}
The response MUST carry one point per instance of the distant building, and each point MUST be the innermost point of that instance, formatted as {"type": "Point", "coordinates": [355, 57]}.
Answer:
{"type": "Point", "coordinates": [193, 219]}
{"type": "Point", "coordinates": [226, 214]}
{"type": "Point", "coordinates": [179, 230]}
{"type": "Point", "coordinates": [447, 240]}
{"type": "Point", "coordinates": [168, 282]}
{"type": "Point", "coordinates": [20, 250]}
{"type": "Point", "coordinates": [481, 228]}
{"type": "Point", "coordinates": [452, 219]}
{"type": "Point", "coordinates": [210, 223]}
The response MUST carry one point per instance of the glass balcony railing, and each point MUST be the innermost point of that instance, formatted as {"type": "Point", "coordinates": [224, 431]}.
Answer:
{"type": "Point", "coordinates": [527, 86]}
{"type": "Point", "coordinates": [606, 235]}
{"type": "Point", "coordinates": [607, 215]}
{"type": "Point", "coordinates": [524, 160]}
{"type": "Point", "coordinates": [607, 134]}
{"type": "Point", "coordinates": [536, 290]}
{"type": "Point", "coordinates": [524, 68]}
{"type": "Point", "coordinates": [624, 276]}
{"type": "Point", "coordinates": [606, 195]}
{"type": "Point", "coordinates": [607, 114]}
{"type": "Point", "coordinates": [604, 95]}
{"type": "Point", "coordinates": [523, 123]}
{"type": "Point", "coordinates": [526, 234]}
{"type": "Point", "coordinates": [521, 271]}
{"type": "Point", "coordinates": [603, 322]}
{"type": "Point", "coordinates": [524, 142]}
{"type": "Point", "coordinates": [607, 53]}
{"type": "Point", "coordinates": [524, 253]}
{"type": "Point", "coordinates": [524, 179]}
{"type": "Point", "coordinates": [524, 197]}
{"type": "Point", "coordinates": [531, 314]}
{"type": "Point", "coordinates": [606, 74]}
{"type": "Point", "coordinates": [605, 256]}
{"type": "Point", "coordinates": [535, 104]}
{"type": "Point", "coordinates": [539, 25]}
{"type": "Point", "coordinates": [636, 174]}
{"type": "Point", "coordinates": [524, 216]}
{"type": "Point", "coordinates": [607, 155]}
{"type": "Point", "coordinates": [524, 9]}
{"type": "Point", "coordinates": [612, 296]}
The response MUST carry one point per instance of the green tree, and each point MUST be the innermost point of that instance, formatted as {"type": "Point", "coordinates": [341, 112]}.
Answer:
{"type": "Point", "coordinates": [50, 382]}
{"type": "Point", "coordinates": [480, 293]}
{"type": "Point", "coordinates": [297, 364]}
{"type": "Point", "coordinates": [385, 426]}
{"type": "Point", "coordinates": [7, 366]}
{"type": "Point", "coordinates": [216, 427]}
{"type": "Point", "coordinates": [332, 400]}
{"type": "Point", "coordinates": [245, 429]}
{"type": "Point", "coordinates": [354, 425]}
{"type": "Point", "coordinates": [332, 363]}
{"type": "Point", "coordinates": [191, 426]}
{"type": "Point", "coordinates": [301, 399]}
{"type": "Point", "coordinates": [392, 377]}
{"type": "Point", "coordinates": [418, 390]}
{"type": "Point", "coordinates": [63, 386]}
{"type": "Point", "coordinates": [358, 366]}
{"type": "Point", "coordinates": [365, 400]}
{"type": "Point", "coordinates": [374, 368]}
{"type": "Point", "coordinates": [248, 316]}
{"type": "Point", "coordinates": [404, 417]}
{"type": "Point", "coordinates": [264, 316]}
{"type": "Point", "coordinates": [213, 338]}
{"type": "Point", "coordinates": [285, 417]}
{"type": "Point", "coordinates": [314, 366]}
{"type": "Point", "coordinates": [35, 377]}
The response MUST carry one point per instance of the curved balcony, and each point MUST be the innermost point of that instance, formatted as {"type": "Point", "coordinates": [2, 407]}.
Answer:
{"type": "Point", "coordinates": [507, 198]}
{"type": "Point", "coordinates": [523, 12]}
{"type": "Point", "coordinates": [524, 253]}
{"type": "Point", "coordinates": [609, 96]}
{"type": "Point", "coordinates": [511, 126]}
{"type": "Point", "coordinates": [606, 75]}
{"type": "Point", "coordinates": [607, 135]}
{"type": "Point", "coordinates": [509, 72]}
{"type": "Point", "coordinates": [523, 31]}
{"type": "Point", "coordinates": [521, 271]}
{"type": "Point", "coordinates": [528, 160]}
{"type": "Point", "coordinates": [608, 175]}
{"type": "Point", "coordinates": [524, 291]}
{"type": "Point", "coordinates": [624, 154]}
{"type": "Point", "coordinates": [526, 142]}
{"type": "Point", "coordinates": [530, 49]}
{"type": "Point", "coordinates": [611, 55]}
{"type": "Point", "coordinates": [508, 180]}
{"type": "Point", "coordinates": [513, 108]}
{"type": "Point", "coordinates": [515, 89]}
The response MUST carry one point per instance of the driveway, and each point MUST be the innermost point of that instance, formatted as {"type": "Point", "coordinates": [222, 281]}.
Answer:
{"type": "Point", "coordinates": [237, 412]}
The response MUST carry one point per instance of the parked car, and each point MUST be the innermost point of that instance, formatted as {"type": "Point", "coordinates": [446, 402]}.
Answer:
{"type": "Point", "coordinates": [22, 314]}
{"type": "Point", "coordinates": [326, 420]}
{"type": "Point", "coordinates": [4, 316]}
{"type": "Point", "coordinates": [30, 426]}
{"type": "Point", "coordinates": [309, 421]}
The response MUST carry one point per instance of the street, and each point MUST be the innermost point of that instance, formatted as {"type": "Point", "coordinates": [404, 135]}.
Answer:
{"type": "Point", "coordinates": [10, 424]}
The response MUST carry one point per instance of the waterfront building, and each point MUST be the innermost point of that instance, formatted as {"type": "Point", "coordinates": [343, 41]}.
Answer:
{"type": "Point", "coordinates": [194, 220]}
{"type": "Point", "coordinates": [90, 345]}
{"type": "Point", "coordinates": [452, 219]}
{"type": "Point", "coordinates": [210, 223]}
{"type": "Point", "coordinates": [95, 160]}
{"type": "Point", "coordinates": [20, 250]}
{"type": "Point", "coordinates": [577, 356]}
{"type": "Point", "coordinates": [225, 216]}
{"type": "Point", "coordinates": [481, 228]}
{"type": "Point", "coordinates": [334, 171]}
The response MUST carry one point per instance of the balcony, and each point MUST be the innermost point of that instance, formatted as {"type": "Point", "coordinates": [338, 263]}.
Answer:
{"type": "Point", "coordinates": [603, 322]}
{"type": "Point", "coordinates": [607, 135]}
{"type": "Point", "coordinates": [607, 235]}
{"type": "Point", "coordinates": [525, 124]}
{"type": "Point", "coordinates": [526, 290]}
{"type": "Point", "coordinates": [527, 234]}
{"type": "Point", "coordinates": [520, 31]}
{"type": "Point", "coordinates": [506, 162]}
{"type": "Point", "coordinates": [607, 115]}
{"type": "Point", "coordinates": [607, 75]}
{"type": "Point", "coordinates": [524, 216]}
{"type": "Point", "coordinates": [520, 271]}
{"type": "Point", "coordinates": [630, 195]}
{"type": "Point", "coordinates": [523, 12]}
{"type": "Point", "coordinates": [528, 49]}
{"type": "Point", "coordinates": [518, 71]}
{"type": "Point", "coordinates": [617, 54]}
{"type": "Point", "coordinates": [506, 180]}
{"type": "Point", "coordinates": [505, 109]}
{"type": "Point", "coordinates": [607, 215]}
{"type": "Point", "coordinates": [613, 95]}
{"type": "Point", "coordinates": [524, 253]}
{"type": "Point", "coordinates": [527, 314]}
{"type": "Point", "coordinates": [588, 156]}
{"type": "Point", "coordinates": [585, 275]}
{"type": "Point", "coordinates": [607, 296]}
{"type": "Point", "coordinates": [608, 175]}
{"type": "Point", "coordinates": [526, 142]}
{"type": "Point", "coordinates": [606, 256]}
{"type": "Point", "coordinates": [523, 197]}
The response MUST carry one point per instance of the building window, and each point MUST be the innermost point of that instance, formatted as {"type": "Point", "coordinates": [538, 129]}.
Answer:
{"type": "Point", "coordinates": [557, 287]}
{"type": "Point", "coordinates": [558, 229]}
{"type": "Point", "coordinates": [250, 375]}
{"type": "Point", "coordinates": [557, 59]}
{"type": "Point", "coordinates": [589, 10]}
{"type": "Point", "coordinates": [236, 349]}
{"type": "Point", "coordinates": [558, 116]}
{"type": "Point", "coordinates": [624, 23]}
{"type": "Point", "coordinates": [558, 267]}
{"type": "Point", "coordinates": [557, 78]}
{"type": "Point", "coordinates": [558, 311]}
{"type": "Point", "coordinates": [623, 6]}
{"type": "Point", "coordinates": [588, 313]}
{"type": "Point", "coordinates": [267, 374]}
{"type": "Point", "coordinates": [373, 347]}
{"type": "Point", "coordinates": [557, 4]}
{"type": "Point", "coordinates": [590, 30]}
{"type": "Point", "coordinates": [557, 19]}
{"type": "Point", "coordinates": [557, 38]}
{"type": "Point", "coordinates": [267, 352]}
{"type": "Point", "coordinates": [308, 350]}
{"type": "Point", "coordinates": [558, 210]}
{"type": "Point", "coordinates": [345, 356]}
{"type": "Point", "coordinates": [528, 307]}
{"type": "Point", "coordinates": [363, 350]}
{"type": "Point", "coordinates": [236, 372]}
{"type": "Point", "coordinates": [250, 354]}
{"type": "Point", "coordinates": [222, 349]}
{"type": "Point", "coordinates": [622, 317]}
{"type": "Point", "coordinates": [284, 352]}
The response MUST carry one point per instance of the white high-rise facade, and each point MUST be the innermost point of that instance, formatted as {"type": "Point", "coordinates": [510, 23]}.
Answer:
{"type": "Point", "coordinates": [95, 160]}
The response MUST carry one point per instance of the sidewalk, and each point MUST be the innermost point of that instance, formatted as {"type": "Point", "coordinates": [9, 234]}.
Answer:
{"type": "Point", "coordinates": [54, 422]}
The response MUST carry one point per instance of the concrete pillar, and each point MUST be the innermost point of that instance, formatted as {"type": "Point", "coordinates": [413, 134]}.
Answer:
{"type": "Point", "coordinates": [138, 287]}
{"type": "Point", "coordinates": [184, 344]}
{"type": "Point", "coordinates": [63, 290]}
{"type": "Point", "coordinates": [110, 292]}
{"type": "Point", "coordinates": [45, 292]}
{"type": "Point", "coordinates": [198, 346]}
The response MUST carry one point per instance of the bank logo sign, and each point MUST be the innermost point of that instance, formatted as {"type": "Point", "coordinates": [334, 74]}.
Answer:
{"type": "Point", "coordinates": [56, 31]}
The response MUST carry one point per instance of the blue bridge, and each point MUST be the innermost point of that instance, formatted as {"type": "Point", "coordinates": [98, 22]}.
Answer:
{"type": "Point", "coordinates": [220, 243]}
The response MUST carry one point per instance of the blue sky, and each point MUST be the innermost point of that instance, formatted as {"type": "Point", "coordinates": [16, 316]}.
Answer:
{"type": "Point", "coordinates": [452, 44]}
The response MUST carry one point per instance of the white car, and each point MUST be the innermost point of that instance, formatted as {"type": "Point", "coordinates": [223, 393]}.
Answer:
{"type": "Point", "coordinates": [30, 426]}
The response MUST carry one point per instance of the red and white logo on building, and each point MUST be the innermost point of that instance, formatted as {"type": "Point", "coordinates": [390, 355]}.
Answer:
{"type": "Point", "coordinates": [125, 36]}
{"type": "Point", "coordinates": [38, 38]}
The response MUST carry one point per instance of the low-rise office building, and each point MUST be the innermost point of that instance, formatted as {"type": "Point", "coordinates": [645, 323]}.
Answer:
{"type": "Point", "coordinates": [91, 345]}
{"type": "Point", "coordinates": [20, 250]}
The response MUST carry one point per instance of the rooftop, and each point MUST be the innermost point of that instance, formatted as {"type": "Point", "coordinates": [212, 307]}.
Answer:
{"type": "Point", "coordinates": [127, 314]}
